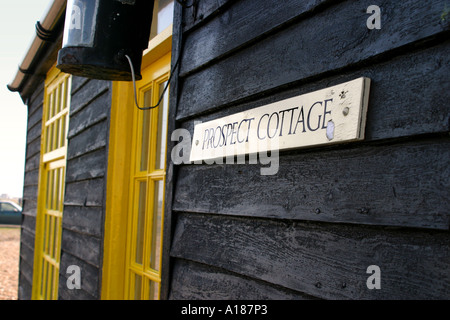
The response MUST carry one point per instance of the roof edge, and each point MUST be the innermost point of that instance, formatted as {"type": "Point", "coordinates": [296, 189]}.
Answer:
{"type": "Point", "coordinates": [46, 33]}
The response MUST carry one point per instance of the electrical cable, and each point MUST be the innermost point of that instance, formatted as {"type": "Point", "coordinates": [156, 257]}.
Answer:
{"type": "Point", "coordinates": [165, 88]}
{"type": "Point", "coordinates": [172, 72]}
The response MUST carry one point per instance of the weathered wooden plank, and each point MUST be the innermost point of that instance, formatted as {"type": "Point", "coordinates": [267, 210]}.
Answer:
{"type": "Point", "coordinates": [24, 292]}
{"type": "Point", "coordinates": [26, 267]}
{"type": "Point", "coordinates": [33, 148]}
{"type": "Point", "coordinates": [201, 11]}
{"type": "Point", "coordinates": [32, 163]}
{"type": "Point", "coordinates": [308, 49]}
{"type": "Point", "coordinates": [394, 110]}
{"type": "Point", "coordinates": [26, 264]}
{"type": "Point", "coordinates": [30, 192]}
{"type": "Point", "coordinates": [36, 99]}
{"type": "Point", "coordinates": [30, 206]}
{"type": "Point", "coordinates": [35, 106]}
{"type": "Point", "coordinates": [78, 83]}
{"type": "Point", "coordinates": [29, 223]}
{"type": "Point", "coordinates": [34, 133]}
{"type": "Point", "coordinates": [88, 166]}
{"type": "Point", "coordinates": [31, 178]}
{"type": "Point", "coordinates": [25, 276]}
{"type": "Point", "coordinates": [98, 110]}
{"type": "Point", "coordinates": [193, 281]}
{"type": "Point", "coordinates": [85, 193]}
{"type": "Point", "coordinates": [90, 283]}
{"type": "Point", "coordinates": [323, 260]}
{"type": "Point", "coordinates": [237, 25]}
{"type": "Point", "coordinates": [83, 246]}
{"type": "Point", "coordinates": [27, 240]}
{"type": "Point", "coordinates": [87, 220]}
{"type": "Point", "coordinates": [88, 140]}
{"type": "Point", "coordinates": [34, 118]}
{"type": "Point", "coordinates": [66, 294]}
{"type": "Point", "coordinates": [392, 185]}
{"type": "Point", "coordinates": [27, 255]}
{"type": "Point", "coordinates": [170, 177]}
{"type": "Point", "coordinates": [87, 93]}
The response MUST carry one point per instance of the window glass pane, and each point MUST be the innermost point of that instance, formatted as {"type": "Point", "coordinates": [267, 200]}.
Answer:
{"type": "Point", "coordinates": [49, 281]}
{"type": "Point", "coordinates": [51, 233]}
{"type": "Point", "coordinates": [46, 223]}
{"type": "Point", "coordinates": [56, 238]}
{"type": "Point", "coordinates": [64, 94]}
{"type": "Point", "coordinates": [154, 290]}
{"type": "Point", "coordinates": [61, 190]}
{"type": "Point", "coordinates": [57, 188]}
{"type": "Point", "coordinates": [141, 221]}
{"type": "Point", "coordinates": [58, 100]}
{"type": "Point", "coordinates": [155, 254]}
{"type": "Point", "coordinates": [50, 189]}
{"type": "Point", "coordinates": [50, 138]}
{"type": "Point", "coordinates": [63, 131]}
{"type": "Point", "coordinates": [8, 207]}
{"type": "Point", "coordinates": [81, 17]}
{"type": "Point", "coordinates": [137, 287]}
{"type": "Point", "coordinates": [161, 138]}
{"type": "Point", "coordinates": [44, 265]}
{"type": "Point", "coordinates": [165, 14]}
{"type": "Point", "coordinates": [51, 106]}
{"type": "Point", "coordinates": [162, 16]}
{"type": "Point", "coordinates": [145, 131]}
{"type": "Point", "coordinates": [57, 133]}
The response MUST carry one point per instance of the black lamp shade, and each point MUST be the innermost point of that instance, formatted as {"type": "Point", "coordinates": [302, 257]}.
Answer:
{"type": "Point", "coordinates": [98, 34]}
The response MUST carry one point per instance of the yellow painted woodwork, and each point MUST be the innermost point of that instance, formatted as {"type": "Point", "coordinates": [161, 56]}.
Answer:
{"type": "Point", "coordinates": [55, 123]}
{"type": "Point", "coordinates": [133, 172]}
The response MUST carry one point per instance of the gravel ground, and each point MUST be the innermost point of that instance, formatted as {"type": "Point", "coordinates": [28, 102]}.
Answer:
{"type": "Point", "coordinates": [9, 261]}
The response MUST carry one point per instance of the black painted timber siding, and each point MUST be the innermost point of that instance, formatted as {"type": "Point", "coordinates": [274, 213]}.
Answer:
{"type": "Point", "coordinates": [30, 192]}
{"type": "Point", "coordinates": [311, 230]}
{"type": "Point", "coordinates": [83, 215]}
{"type": "Point", "coordinates": [84, 202]}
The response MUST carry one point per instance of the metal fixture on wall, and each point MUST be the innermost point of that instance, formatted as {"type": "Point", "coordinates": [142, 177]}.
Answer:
{"type": "Point", "coordinates": [99, 34]}
{"type": "Point", "coordinates": [105, 39]}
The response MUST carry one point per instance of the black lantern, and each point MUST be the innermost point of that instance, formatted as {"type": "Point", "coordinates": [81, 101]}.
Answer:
{"type": "Point", "coordinates": [100, 34]}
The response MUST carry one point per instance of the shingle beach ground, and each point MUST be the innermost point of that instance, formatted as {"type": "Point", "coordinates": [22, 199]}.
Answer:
{"type": "Point", "coordinates": [9, 261]}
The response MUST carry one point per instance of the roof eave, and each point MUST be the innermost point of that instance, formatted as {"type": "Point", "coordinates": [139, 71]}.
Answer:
{"type": "Point", "coordinates": [48, 31]}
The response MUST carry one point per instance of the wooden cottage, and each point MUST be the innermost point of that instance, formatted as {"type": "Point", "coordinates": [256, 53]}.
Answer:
{"type": "Point", "coordinates": [112, 197]}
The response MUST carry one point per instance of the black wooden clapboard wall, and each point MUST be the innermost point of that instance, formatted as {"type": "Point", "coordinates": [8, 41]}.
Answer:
{"type": "Point", "coordinates": [312, 230]}
{"type": "Point", "coordinates": [82, 235]}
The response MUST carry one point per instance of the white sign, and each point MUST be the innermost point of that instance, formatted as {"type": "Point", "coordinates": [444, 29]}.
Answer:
{"type": "Point", "coordinates": [332, 115]}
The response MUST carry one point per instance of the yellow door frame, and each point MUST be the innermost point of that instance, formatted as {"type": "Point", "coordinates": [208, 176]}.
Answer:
{"type": "Point", "coordinates": [151, 178]}
{"type": "Point", "coordinates": [50, 204]}
{"type": "Point", "coordinates": [121, 164]}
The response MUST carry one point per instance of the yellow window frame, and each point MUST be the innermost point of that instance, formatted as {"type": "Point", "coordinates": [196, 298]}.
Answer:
{"type": "Point", "coordinates": [148, 177]}
{"type": "Point", "coordinates": [52, 169]}
{"type": "Point", "coordinates": [125, 131]}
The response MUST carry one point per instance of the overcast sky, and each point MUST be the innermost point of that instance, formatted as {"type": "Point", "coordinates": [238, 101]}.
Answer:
{"type": "Point", "coordinates": [17, 29]}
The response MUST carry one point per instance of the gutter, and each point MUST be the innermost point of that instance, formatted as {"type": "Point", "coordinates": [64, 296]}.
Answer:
{"type": "Point", "coordinates": [47, 33]}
